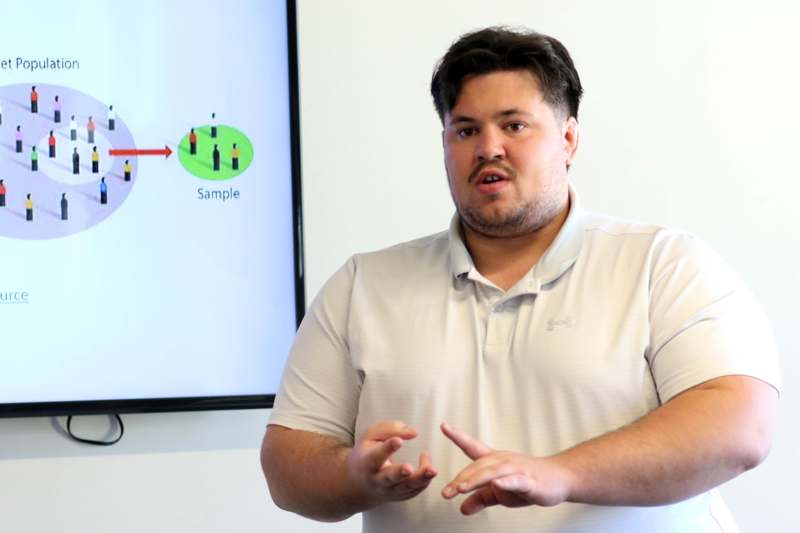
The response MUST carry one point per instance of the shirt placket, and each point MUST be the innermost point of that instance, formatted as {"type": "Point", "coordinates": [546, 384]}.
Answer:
{"type": "Point", "coordinates": [498, 323]}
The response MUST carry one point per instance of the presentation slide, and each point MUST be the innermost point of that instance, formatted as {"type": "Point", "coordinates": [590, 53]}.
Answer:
{"type": "Point", "coordinates": [146, 226]}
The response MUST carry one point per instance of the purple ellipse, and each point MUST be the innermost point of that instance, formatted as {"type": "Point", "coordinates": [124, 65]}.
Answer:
{"type": "Point", "coordinates": [52, 179]}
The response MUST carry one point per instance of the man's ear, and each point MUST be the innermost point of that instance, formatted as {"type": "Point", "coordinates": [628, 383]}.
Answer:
{"type": "Point", "coordinates": [571, 137]}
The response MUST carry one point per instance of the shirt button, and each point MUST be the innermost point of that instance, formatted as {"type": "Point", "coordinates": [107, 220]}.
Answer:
{"type": "Point", "coordinates": [498, 308]}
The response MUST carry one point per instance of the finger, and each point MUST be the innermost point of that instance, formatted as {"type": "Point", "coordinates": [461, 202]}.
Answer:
{"type": "Point", "coordinates": [426, 469]}
{"type": "Point", "coordinates": [394, 474]}
{"type": "Point", "coordinates": [420, 478]}
{"type": "Point", "coordinates": [387, 429]}
{"type": "Point", "coordinates": [479, 501]}
{"type": "Point", "coordinates": [377, 456]}
{"type": "Point", "coordinates": [401, 494]}
{"type": "Point", "coordinates": [473, 448]}
{"type": "Point", "coordinates": [477, 475]}
{"type": "Point", "coordinates": [412, 484]}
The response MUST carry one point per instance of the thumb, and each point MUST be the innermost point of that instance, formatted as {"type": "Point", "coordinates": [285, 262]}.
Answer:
{"type": "Point", "coordinates": [387, 429]}
{"type": "Point", "coordinates": [516, 483]}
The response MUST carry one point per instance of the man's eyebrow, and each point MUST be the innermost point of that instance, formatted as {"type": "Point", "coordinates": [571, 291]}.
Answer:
{"type": "Point", "coordinates": [510, 112]}
{"type": "Point", "coordinates": [460, 119]}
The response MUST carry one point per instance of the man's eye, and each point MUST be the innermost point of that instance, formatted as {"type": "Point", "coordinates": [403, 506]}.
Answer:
{"type": "Point", "coordinates": [465, 132]}
{"type": "Point", "coordinates": [515, 127]}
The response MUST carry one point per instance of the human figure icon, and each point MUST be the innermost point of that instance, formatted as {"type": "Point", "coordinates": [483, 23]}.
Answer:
{"type": "Point", "coordinates": [215, 157]}
{"type": "Point", "coordinates": [90, 127]}
{"type": "Point", "coordinates": [213, 125]}
{"type": "Point", "coordinates": [235, 157]}
{"type": "Point", "coordinates": [73, 129]}
{"type": "Point", "coordinates": [51, 145]}
{"type": "Point", "coordinates": [18, 139]}
{"type": "Point", "coordinates": [192, 142]}
{"type": "Point", "coordinates": [95, 160]}
{"type": "Point", "coordinates": [34, 159]}
{"type": "Point", "coordinates": [34, 100]}
{"type": "Point", "coordinates": [2, 194]}
{"type": "Point", "coordinates": [103, 191]}
{"type": "Point", "coordinates": [57, 110]}
{"type": "Point", "coordinates": [64, 206]}
{"type": "Point", "coordinates": [127, 170]}
{"type": "Point", "coordinates": [28, 208]}
{"type": "Point", "coordinates": [112, 117]}
{"type": "Point", "coordinates": [76, 161]}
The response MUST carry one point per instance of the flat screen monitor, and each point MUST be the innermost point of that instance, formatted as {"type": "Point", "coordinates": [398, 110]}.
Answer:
{"type": "Point", "coordinates": [150, 214]}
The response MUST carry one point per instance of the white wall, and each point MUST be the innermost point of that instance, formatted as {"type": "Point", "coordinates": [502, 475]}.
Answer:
{"type": "Point", "coordinates": [689, 119]}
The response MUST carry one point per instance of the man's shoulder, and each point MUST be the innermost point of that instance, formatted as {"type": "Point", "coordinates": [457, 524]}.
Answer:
{"type": "Point", "coordinates": [601, 225]}
{"type": "Point", "coordinates": [409, 255]}
{"type": "Point", "coordinates": [655, 243]}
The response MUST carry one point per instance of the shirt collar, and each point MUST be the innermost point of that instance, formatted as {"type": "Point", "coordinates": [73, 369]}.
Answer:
{"type": "Point", "coordinates": [557, 259]}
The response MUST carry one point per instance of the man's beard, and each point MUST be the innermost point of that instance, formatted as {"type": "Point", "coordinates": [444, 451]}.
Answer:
{"type": "Point", "coordinates": [521, 220]}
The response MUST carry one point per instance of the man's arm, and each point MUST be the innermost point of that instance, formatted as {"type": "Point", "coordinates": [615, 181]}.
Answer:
{"type": "Point", "coordinates": [321, 478]}
{"type": "Point", "coordinates": [701, 438]}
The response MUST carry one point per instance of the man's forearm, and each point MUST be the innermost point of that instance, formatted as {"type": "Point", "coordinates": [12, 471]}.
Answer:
{"type": "Point", "coordinates": [698, 440]}
{"type": "Point", "coordinates": [307, 474]}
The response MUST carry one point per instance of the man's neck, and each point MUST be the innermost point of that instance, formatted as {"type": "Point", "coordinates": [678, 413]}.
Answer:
{"type": "Point", "coordinates": [505, 260]}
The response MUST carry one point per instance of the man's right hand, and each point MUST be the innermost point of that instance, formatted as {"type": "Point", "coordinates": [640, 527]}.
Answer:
{"type": "Point", "coordinates": [371, 468]}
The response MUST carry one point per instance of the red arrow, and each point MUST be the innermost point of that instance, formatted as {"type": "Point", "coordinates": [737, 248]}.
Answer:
{"type": "Point", "coordinates": [150, 151]}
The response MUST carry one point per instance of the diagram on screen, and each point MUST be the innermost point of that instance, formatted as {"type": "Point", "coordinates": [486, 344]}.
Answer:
{"type": "Point", "coordinates": [68, 161]}
{"type": "Point", "coordinates": [215, 152]}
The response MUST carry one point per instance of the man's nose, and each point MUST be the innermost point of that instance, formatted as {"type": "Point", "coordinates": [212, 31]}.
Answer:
{"type": "Point", "coordinates": [490, 145]}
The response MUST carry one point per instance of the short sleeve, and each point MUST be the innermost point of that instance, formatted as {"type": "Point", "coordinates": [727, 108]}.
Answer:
{"type": "Point", "coordinates": [704, 323]}
{"type": "Point", "coordinates": [320, 388]}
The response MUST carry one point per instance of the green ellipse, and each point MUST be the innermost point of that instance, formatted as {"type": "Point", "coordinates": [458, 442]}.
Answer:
{"type": "Point", "coordinates": [202, 164]}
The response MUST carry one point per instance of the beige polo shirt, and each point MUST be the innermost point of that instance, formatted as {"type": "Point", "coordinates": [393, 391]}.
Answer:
{"type": "Point", "coordinates": [615, 319]}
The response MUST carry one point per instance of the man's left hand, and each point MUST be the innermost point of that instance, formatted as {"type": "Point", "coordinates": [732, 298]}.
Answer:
{"type": "Point", "coordinates": [504, 478]}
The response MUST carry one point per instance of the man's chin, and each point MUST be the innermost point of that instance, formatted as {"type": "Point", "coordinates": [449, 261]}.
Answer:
{"type": "Point", "coordinates": [495, 226]}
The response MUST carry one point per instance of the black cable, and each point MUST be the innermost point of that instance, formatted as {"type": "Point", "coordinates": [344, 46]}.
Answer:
{"type": "Point", "coordinates": [97, 442]}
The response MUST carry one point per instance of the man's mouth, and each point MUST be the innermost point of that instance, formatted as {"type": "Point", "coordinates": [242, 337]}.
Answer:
{"type": "Point", "coordinates": [492, 178]}
{"type": "Point", "coordinates": [491, 181]}
{"type": "Point", "coordinates": [491, 173]}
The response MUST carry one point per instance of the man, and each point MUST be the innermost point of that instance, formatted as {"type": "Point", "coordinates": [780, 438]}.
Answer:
{"type": "Point", "coordinates": [127, 170]}
{"type": "Point", "coordinates": [18, 139]}
{"type": "Point", "coordinates": [28, 208]}
{"type": "Point", "coordinates": [235, 152]}
{"type": "Point", "coordinates": [57, 110]}
{"type": "Point", "coordinates": [73, 129]}
{"type": "Point", "coordinates": [64, 207]}
{"type": "Point", "coordinates": [601, 375]}
{"type": "Point", "coordinates": [103, 191]}
{"type": "Point", "coordinates": [95, 160]}
{"type": "Point", "coordinates": [215, 155]}
{"type": "Point", "coordinates": [192, 142]}
{"type": "Point", "coordinates": [90, 128]}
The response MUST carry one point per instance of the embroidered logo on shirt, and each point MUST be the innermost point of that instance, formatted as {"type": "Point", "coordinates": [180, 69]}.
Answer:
{"type": "Point", "coordinates": [555, 323]}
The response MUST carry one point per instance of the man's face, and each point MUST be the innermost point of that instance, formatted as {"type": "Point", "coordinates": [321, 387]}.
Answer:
{"type": "Point", "coordinates": [506, 152]}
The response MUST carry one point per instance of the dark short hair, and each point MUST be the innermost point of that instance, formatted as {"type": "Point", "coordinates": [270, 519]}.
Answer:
{"type": "Point", "coordinates": [502, 49]}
